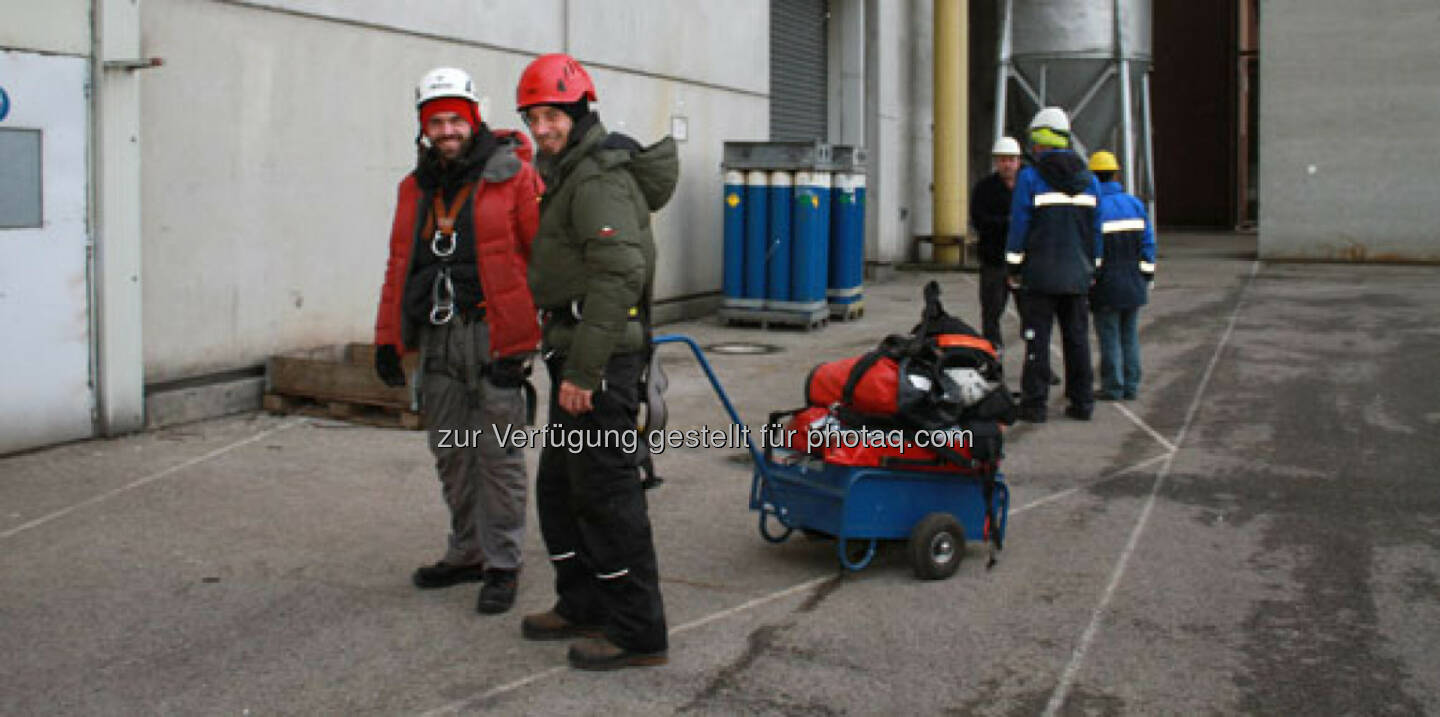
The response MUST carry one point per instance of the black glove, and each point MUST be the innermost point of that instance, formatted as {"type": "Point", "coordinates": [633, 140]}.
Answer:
{"type": "Point", "coordinates": [387, 365]}
{"type": "Point", "coordinates": [508, 372]}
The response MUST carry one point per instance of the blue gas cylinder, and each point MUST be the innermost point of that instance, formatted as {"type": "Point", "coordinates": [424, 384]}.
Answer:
{"type": "Point", "coordinates": [778, 287]}
{"type": "Point", "coordinates": [756, 203]}
{"type": "Point", "coordinates": [733, 209]}
{"type": "Point", "coordinates": [847, 241]}
{"type": "Point", "coordinates": [809, 269]}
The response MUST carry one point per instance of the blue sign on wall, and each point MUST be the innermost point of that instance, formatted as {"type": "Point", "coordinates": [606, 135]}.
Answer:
{"type": "Point", "coordinates": [4, 104]}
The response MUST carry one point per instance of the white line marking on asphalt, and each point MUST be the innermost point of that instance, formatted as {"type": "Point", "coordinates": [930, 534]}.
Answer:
{"type": "Point", "coordinates": [742, 607]}
{"type": "Point", "coordinates": [148, 479]}
{"type": "Point", "coordinates": [1077, 658]}
{"type": "Point", "coordinates": [1057, 495]}
{"type": "Point", "coordinates": [1137, 421]}
{"type": "Point", "coordinates": [1055, 352]}
{"type": "Point", "coordinates": [477, 700]}
{"type": "Point", "coordinates": [474, 701]}
{"type": "Point", "coordinates": [459, 705]}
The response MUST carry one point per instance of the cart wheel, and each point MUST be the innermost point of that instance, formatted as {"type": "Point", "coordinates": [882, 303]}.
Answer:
{"type": "Point", "coordinates": [937, 544]}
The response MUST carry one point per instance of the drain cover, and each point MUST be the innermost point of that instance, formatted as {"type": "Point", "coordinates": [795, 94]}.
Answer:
{"type": "Point", "coordinates": [742, 348]}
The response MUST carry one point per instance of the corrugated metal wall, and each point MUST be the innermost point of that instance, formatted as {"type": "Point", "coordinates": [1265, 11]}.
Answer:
{"type": "Point", "coordinates": [798, 109]}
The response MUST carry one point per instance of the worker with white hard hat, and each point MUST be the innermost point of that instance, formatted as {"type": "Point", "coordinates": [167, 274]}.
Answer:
{"type": "Point", "coordinates": [1051, 253]}
{"type": "Point", "coordinates": [455, 292]}
{"type": "Point", "coordinates": [990, 215]}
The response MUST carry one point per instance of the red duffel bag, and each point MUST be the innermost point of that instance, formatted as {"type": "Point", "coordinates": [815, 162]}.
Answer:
{"type": "Point", "coordinates": [875, 392]}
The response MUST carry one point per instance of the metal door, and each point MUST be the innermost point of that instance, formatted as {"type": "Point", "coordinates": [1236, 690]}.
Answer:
{"type": "Point", "coordinates": [798, 72]}
{"type": "Point", "coordinates": [46, 394]}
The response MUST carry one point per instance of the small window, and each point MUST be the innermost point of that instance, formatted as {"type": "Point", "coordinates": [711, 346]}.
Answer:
{"type": "Point", "coordinates": [20, 198]}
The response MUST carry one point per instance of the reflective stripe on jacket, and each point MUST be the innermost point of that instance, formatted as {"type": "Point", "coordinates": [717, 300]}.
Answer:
{"type": "Point", "coordinates": [1128, 258]}
{"type": "Point", "coordinates": [1054, 234]}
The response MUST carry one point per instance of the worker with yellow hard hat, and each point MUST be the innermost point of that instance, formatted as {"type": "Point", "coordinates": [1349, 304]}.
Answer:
{"type": "Point", "coordinates": [1123, 276]}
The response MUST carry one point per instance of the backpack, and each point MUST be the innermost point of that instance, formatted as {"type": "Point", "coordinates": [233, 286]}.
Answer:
{"type": "Point", "coordinates": [941, 375]}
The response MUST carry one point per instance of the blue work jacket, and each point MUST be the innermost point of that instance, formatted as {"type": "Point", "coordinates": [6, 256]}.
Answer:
{"type": "Point", "coordinates": [1054, 240]}
{"type": "Point", "coordinates": [1127, 261]}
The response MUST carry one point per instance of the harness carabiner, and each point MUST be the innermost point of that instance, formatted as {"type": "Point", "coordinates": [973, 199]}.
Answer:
{"type": "Point", "coordinates": [443, 250]}
{"type": "Point", "coordinates": [442, 297]}
{"type": "Point", "coordinates": [441, 314]}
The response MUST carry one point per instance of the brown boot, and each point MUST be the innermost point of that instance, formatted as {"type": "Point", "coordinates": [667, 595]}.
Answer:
{"type": "Point", "coordinates": [598, 653]}
{"type": "Point", "coordinates": [549, 625]}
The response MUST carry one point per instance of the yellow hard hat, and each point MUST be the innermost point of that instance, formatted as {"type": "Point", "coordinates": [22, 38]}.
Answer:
{"type": "Point", "coordinates": [1103, 161]}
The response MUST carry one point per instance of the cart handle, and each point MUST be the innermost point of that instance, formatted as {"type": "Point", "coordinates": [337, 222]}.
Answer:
{"type": "Point", "coordinates": [715, 384]}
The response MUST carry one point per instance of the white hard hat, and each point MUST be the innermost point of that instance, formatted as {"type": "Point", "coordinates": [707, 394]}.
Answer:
{"type": "Point", "coordinates": [1052, 117]}
{"type": "Point", "coordinates": [1006, 147]}
{"type": "Point", "coordinates": [444, 82]}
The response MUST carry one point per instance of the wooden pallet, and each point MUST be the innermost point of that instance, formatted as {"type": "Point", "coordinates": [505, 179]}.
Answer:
{"type": "Point", "coordinates": [338, 382]}
{"type": "Point", "coordinates": [379, 416]}
{"type": "Point", "coordinates": [765, 318]}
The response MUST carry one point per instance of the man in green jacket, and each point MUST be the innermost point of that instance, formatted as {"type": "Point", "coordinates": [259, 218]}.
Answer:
{"type": "Point", "coordinates": [591, 273]}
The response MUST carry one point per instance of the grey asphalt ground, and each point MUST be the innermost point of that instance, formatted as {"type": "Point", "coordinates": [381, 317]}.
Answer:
{"type": "Point", "coordinates": [1258, 533]}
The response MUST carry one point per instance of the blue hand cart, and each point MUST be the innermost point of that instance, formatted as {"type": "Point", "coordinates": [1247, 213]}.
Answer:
{"type": "Point", "coordinates": [860, 506]}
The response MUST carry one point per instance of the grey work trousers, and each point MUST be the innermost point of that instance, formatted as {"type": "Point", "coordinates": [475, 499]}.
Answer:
{"type": "Point", "coordinates": [483, 483]}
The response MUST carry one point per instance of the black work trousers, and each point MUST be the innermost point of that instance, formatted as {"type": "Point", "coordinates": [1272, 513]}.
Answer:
{"type": "Point", "coordinates": [1038, 312]}
{"type": "Point", "coordinates": [994, 292]}
{"type": "Point", "coordinates": [593, 513]}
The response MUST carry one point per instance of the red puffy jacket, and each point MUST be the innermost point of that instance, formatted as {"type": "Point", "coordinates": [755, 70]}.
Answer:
{"type": "Point", "coordinates": [502, 251]}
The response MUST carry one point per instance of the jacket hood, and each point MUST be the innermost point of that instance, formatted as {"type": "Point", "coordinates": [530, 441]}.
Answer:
{"type": "Point", "coordinates": [656, 168]}
{"type": "Point", "coordinates": [1108, 188]}
{"type": "Point", "coordinates": [512, 151]}
{"type": "Point", "coordinates": [1064, 170]}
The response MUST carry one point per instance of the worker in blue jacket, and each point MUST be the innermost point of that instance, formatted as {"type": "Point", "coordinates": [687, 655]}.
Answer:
{"type": "Point", "coordinates": [1051, 253]}
{"type": "Point", "coordinates": [1122, 281]}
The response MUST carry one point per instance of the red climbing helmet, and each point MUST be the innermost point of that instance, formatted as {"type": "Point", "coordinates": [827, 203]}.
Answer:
{"type": "Point", "coordinates": [554, 79]}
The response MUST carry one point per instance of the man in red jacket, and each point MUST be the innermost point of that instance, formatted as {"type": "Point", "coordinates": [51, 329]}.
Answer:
{"type": "Point", "coordinates": [455, 290]}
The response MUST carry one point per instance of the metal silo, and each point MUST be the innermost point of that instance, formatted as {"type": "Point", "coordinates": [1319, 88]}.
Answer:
{"type": "Point", "coordinates": [1091, 57]}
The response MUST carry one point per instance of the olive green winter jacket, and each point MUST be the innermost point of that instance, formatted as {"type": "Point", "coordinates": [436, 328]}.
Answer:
{"type": "Point", "coordinates": [594, 248]}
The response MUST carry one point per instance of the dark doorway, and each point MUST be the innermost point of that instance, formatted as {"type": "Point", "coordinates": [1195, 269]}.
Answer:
{"type": "Point", "coordinates": [1202, 87]}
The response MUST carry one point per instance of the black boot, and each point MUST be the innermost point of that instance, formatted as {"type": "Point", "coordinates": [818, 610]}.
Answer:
{"type": "Point", "coordinates": [443, 575]}
{"type": "Point", "coordinates": [498, 592]}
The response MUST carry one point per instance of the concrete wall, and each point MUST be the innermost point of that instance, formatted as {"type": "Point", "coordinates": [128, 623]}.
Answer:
{"type": "Point", "coordinates": [277, 130]}
{"type": "Point", "coordinates": [897, 72]}
{"type": "Point", "coordinates": [58, 26]}
{"type": "Point", "coordinates": [918, 48]}
{"type": "Point", "coordinates": [1348, 148]}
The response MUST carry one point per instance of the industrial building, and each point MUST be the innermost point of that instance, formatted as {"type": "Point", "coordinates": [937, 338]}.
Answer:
{"type": "Point", "coordinates": [190, 186]}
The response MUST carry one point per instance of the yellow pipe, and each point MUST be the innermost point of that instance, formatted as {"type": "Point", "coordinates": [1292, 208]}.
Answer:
{"type": "Point", "coordinates": [951, 129]}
